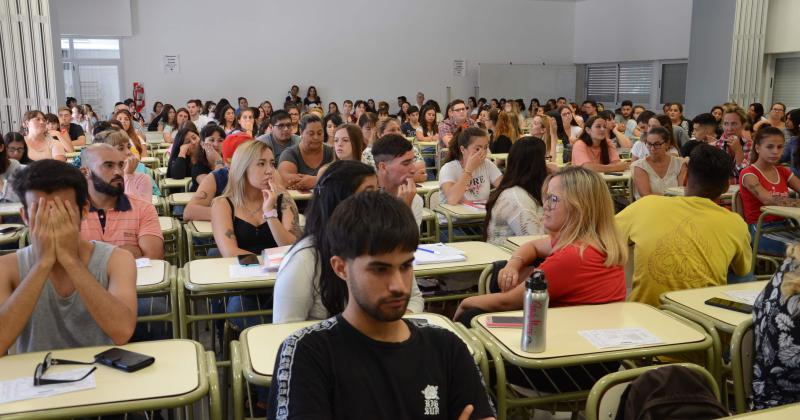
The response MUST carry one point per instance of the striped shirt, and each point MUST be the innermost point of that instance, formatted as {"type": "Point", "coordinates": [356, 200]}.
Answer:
{"type": "Point", "coordinates": [130, 219]}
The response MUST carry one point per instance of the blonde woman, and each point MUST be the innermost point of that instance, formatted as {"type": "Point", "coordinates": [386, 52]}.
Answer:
{"type": "Point", "coordinates": [584, 253]}
{"type": "Point", "coordinates": [253, 213]}
{"type": "Point", "coordinates": [124, 117]}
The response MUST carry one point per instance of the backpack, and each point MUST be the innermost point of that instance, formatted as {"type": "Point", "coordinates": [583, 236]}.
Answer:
{"type": "Point", "coordinates": [670, 392]}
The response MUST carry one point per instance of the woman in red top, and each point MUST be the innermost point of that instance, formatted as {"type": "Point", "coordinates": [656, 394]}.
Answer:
{"type": "Point", "coordinates": [766, 183]}
{"type": "Point", "coordinates": [584, 254]}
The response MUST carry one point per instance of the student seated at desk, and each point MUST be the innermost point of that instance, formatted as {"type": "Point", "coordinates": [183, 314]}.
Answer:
{"type": "Point", "coordinates": [348, 142]}
{"type": "Point", "coordinates": [468, 175]}
{"type": "Point", "coordinates": [252, 215]}
{"type": "Point", "coordinates": [584, 259]}
{"type": "Point", "coordinates": [39, 143]}
{"type": "Point", "coordinates": [395, 162]}
{"type": "Point", "coordinates": [307, 287]}
{"type": "Point", "coordinates": [392, 126]}
{"type": "Point", "coordinates": [594, 151]}
{"type": "Point", "coordinates": [659, 170]}
{"type": "Point", "coordinates": [137, 184]}
{"type": "Point", "coordinates": [515, 207]}
{"type": "Point", "coordinates": [690, 241]}
{"type": "Point", "coordinates": [776, 323]}
{"type": "Point", "coordinates": [767, 183]}
{"type": "Point", "coordinates": [398, 369]}
{"type": "Point", "coordinates": [211, 187]}
{"type": "Point", "coordinates": [62, 291]}
{"type": "Point", "coordinates": [189, 158]}
{"type": "Point", "coordinates": [299, 164]}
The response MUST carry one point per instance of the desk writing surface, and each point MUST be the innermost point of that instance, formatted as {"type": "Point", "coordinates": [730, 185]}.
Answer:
{"type": "Point", "coordinates": [695, 299]}
{"type": "Point", "coordinates": [182, 198]}
{"type": "Point", "coordinates": [10, 209]}
{"type": "Point", "coordinates": [564, 323]}
{"type": "Point", "coordinates": [681, 191]}
{"type": "Point", "coordinates": [626, 176]}
{"type": "Point", "coordinates": [174, 183]}
{"type": "Point", "coordinates": [518, 241]}
{"type": "Point", "coordinates": [479, 254]}
{"type": "Point", "coordinates": [215, 271]}
{"type": "Point", "coordinates": [174, 373]}
{"type": "Point", "coordinates": [461, 210]}
{"type": "Point", "coordinates": [298, 195]}
{"type": "Point", "coordinates": [11, 236]}
{"type": "Point", "coordinates": [148, 276]}
{"type": "Point", "coordinates": [787, 212]}
{"type": "Point", "coordinates": [166, 223]}
{"type": "Point", "coordinates": [264, 341]}
{"type": "Point", "coordinates": [202, 226]}
{"type": "Point", "coordinates": [428, 186]}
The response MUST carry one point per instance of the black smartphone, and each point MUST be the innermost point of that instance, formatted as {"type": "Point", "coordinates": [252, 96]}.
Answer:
{"type": "Point", "coordinates": [124, 360]}
{"type": "Point", "coordinates": [248, 259]}
{"type": "Point", "coordinates": [729, 304]}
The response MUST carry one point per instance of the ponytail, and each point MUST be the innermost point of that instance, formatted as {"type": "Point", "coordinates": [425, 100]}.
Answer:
{"type": "Point", "coordinates": [463, 138]}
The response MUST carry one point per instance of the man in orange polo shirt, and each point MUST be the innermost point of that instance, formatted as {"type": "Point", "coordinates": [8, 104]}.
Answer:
{"type": "Point", "coordinates": [114, 217]}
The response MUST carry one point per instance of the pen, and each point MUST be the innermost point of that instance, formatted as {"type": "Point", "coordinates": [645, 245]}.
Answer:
{"type": "Point", "coordinates": [430, 251]}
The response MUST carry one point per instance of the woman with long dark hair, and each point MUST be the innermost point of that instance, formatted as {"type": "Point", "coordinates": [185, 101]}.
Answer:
{"type": "Point", "coordinates": [515, 206]}
{"type": "Point", "coordinates": [594, 151]}
{"type": "Point", "coordinates": [306, 287]}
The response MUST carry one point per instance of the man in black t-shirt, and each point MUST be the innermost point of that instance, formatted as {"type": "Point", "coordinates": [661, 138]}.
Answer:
{"type": "Point", "coordinates": [75, 131]}
{"type": "Point", "coordinates": [369, 362]}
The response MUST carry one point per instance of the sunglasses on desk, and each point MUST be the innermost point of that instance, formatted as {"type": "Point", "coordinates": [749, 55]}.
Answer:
{"type": "Point", "coordinates": [49, 361]}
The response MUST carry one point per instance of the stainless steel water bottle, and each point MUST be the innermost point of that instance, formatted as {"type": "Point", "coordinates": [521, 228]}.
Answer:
{"type": "Point", "coordinates": [534, 323]}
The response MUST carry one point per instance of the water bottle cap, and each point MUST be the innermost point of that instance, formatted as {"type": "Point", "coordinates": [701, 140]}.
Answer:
{"type": "Point", "coordinates": [537, 281]}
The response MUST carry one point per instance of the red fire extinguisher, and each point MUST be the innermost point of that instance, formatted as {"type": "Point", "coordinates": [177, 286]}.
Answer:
{"type": "Point", "coordinates": [138, 96]}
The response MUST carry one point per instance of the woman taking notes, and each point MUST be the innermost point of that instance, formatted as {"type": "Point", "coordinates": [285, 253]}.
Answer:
{"type": "Point", "coordinates": [659, 170]}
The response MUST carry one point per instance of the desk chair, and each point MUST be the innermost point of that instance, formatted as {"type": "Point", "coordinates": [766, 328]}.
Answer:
{"type": "Point", "coordinates": [173, 246]}
{"type": "Point", "coordinates": [604, 398]}
{"type": "Point", "coordinates": [742, 350]}
{"type": "Point", "coordinates": [429, 233]}
{"type": "Point", "coordinates": [473, 225]}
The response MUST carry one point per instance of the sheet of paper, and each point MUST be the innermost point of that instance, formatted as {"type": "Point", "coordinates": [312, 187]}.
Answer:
{"type": "Point", "coordinates": [143, 262]}
{"type": "Point", "coordinates": [237, 271]}
{"type": "Point", "coordinates": [437, 253]}
{"type": "Point", "coordinates": [619, 337]}
{"type": "Point", "coordinates": [746, 296]}
{"type": "Point", "coordinates": [23, 389]}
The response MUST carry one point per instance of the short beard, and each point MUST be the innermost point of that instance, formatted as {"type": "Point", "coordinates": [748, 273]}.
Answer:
{"type": "Point", "coordinates": [106, 188]}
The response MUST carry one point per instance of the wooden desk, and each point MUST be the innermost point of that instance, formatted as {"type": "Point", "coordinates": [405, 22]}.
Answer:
{"type": "Point", "coordinates": [693, 301]}
{"type": "Point", "coordinates": [479, 255]}
{"type": "Point", "coordinates": [182, 374]}
{"type": "Point", "coordinates": [10, 209]}
{"type": "Point", "coordinates": [565, 347]}
{"type": "Point", "coordinates": [514, 242]}
{"type": "Point", "coordinates": [253, 357]}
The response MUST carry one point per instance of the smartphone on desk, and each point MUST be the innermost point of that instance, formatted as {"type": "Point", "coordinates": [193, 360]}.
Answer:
{"type": "Point", "coordinates": [124, 360]}
{"type": "Point", "coordinates": [248, 259]}
{"type": "Point", "coordinates": [731, 305]}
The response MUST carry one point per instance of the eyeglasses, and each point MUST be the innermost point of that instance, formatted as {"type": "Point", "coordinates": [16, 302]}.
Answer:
{"type": "Point", "coordinates": [550, 201]}
{"type": "Point", "coordinates": [654, 145]}
{"type": "Point", "coordinates": [283, 126]}
{"type": "Point", "coordinates": [41, 368]}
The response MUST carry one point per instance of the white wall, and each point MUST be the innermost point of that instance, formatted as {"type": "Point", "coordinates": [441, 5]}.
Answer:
{"type": "Point", "coordinates": [93, 17]}
{"type": "Point", "coordinates": [783, 32]}
{"type": "Point", "coordinates": [360, 48]}
{"type": "Point", "coordinates": [631, 30]}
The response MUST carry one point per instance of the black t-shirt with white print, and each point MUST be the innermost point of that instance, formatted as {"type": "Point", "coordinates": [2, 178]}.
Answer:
{"type": "Point", "coordinates": [332, 371]}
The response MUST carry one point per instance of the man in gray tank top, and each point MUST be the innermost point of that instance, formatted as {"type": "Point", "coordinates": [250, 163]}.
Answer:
{"type": "Point", "coordinates": [61, 291]}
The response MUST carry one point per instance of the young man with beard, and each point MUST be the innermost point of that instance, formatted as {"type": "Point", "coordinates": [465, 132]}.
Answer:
{"type": "Point", "coordinates": [369, 362]}
{"type": "Point", "coordinates": [62, 291]}
{"type": "Point", "coordinates": [115, 217]}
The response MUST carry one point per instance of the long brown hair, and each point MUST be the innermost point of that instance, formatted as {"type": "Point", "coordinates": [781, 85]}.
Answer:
{"type": "Point", "coordinates": [505, 126]}
{"type": "Point", "coordinates": [463, 138]}
{"type": "Point", "coordinates": [131, 131]}
{"type": "Point", "coordinates": [605, 158]}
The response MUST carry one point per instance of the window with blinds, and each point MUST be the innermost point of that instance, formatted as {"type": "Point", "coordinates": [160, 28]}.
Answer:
{"type": "Point", "coordinates": [786, 87]}
{"type": "Point", "coordinates": [614, 83]}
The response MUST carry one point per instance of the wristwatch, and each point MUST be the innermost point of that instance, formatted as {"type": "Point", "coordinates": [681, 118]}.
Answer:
{"type": "Point", "coordinates": [271, 214]}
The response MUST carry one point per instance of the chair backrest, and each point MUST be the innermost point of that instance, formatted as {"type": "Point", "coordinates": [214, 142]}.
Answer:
{"type": "Point", "coordinates": [736, 204]}
{"type": "Point", "coordinates": [742, 350]}
{"type": "Point", "coordinates": [434, 199]}
{"type": "Point", "coordinates": [611, 391]}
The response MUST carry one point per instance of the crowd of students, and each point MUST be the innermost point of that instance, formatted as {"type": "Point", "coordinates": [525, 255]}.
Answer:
{"type": "Point", "coordinates": [351, 264]}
